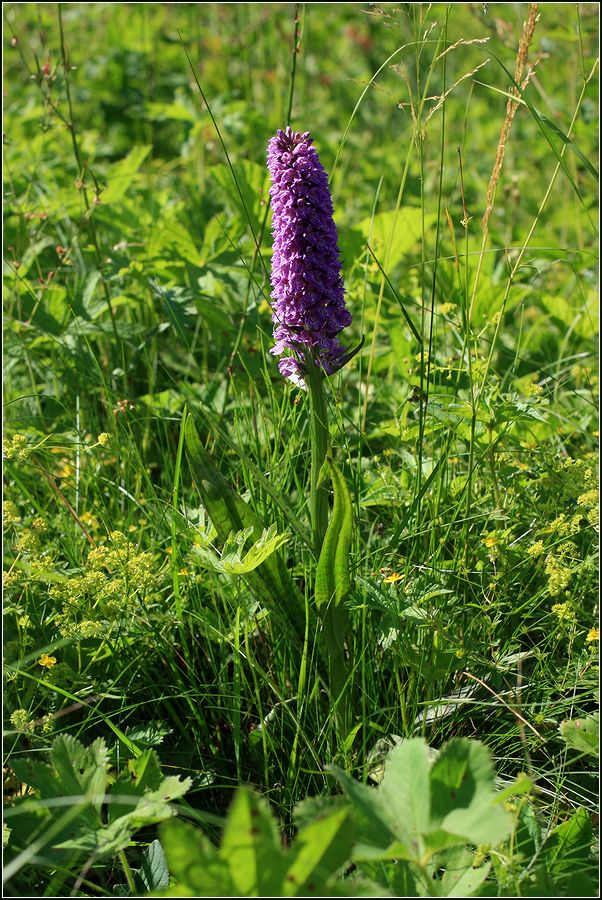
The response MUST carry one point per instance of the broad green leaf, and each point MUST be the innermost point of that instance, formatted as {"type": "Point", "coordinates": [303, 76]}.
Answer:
{"type": "Point", "coordinates": [369, 814]}
{"type": "Point", "coordinates": [251, 847]}
{"type": "Point", "coordinates": [229, 513]}
{"type": "Point", "coordinates": [73, 771]}
{"type": "Point", "coordinates": [582, 734]}
{"type": "Point", "coordinates": [76, 779]}
{"type": "Point", "coordinates": [153, 869]}
{"type": "Point", "coordinates": [405, 790]}
{"type": "Point", "coordinates": [234, 559]}
{"type": "Point", "coordinates": [253, 182]}
{"type": "Point", "coordinates": [122, 173]}
{"type": "Point", "coordinates": [193, 862]}
{"type": "Point", "coordinates": [568, 847]}
{"type": "Point", "coordinates": [394, 233]}
{"type": "Point", "coordinates": [320, 849]}
{"type": "Point", "coordinates": [333, 581]}
{"type": "Point", "coordinates": [251, 861]}
{"type": "Point", "coordinates": [583, 318]}
{"type": "Point", "coordinates": [460, 879]}
{"type": "Point", "coordinates": [463, 795]}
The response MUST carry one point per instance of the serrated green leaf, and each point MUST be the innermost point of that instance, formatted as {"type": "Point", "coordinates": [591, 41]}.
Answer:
{"type": "Point", "coordinates": [582, 734]}
{"type": "Point", "coordinates": [235, 559]}
{"type": "Point", "coordinates": [392, 234]}
{"type": "Point", "coordinates": [463, 795]}
{"type": "Point", "coordinates": [568, 847]}
{"type": "Point", "coordinates": [229, 513]}
{"type": "Point", "coordinates": [374, 818]}
{"type": "Point", "coordinates": [73, 771]}
{"type": "Point", "coordinates": [193, 862]}
{"type": "Point", "coordinates": [154, 872]}
{"type": "Point", "coordinates": [122, 173]}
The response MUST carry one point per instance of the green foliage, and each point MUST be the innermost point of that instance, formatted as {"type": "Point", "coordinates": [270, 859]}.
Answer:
{"type": "Point", "coordinates": [150, 442]}
{"type": "Point", "coordinates": [234, 559]}
{"type": "Point", "coordinates": [230, 515]}
{"type": "Point", "coordinates": [418, 814]}
{"type": "Point", "coordinates": [582, 734]}
{"type": "Point", "coordinates": [408, 836]}
{"type": "Point", "coordinates": [72, 813]}
{"type": "Point", "coordinates": [251, 861]}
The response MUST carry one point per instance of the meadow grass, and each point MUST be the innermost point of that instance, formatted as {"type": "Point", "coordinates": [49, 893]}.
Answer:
{"type": "Point", "coordinates": [136, 285]}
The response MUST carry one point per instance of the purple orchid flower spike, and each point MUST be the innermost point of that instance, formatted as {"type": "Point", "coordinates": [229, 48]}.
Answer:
{"type": "Point", "coordinates": [309, 309]}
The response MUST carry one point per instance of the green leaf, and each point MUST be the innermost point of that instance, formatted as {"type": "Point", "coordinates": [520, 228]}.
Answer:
{"type": "Point", "coordinates": [234, 559]}
{"type": "Point", "coordinates": [154, 873]}
{"type": "Point", "coordinates": [568, 847]}
{"type": "Point", "coordinates": [418, 810]}
{"type": "Point", "coordinates": [397, 812]}
{"type": "Point", "coordinates": [229, 513]}
{"type": "Point", "coordinates": [463, 795]}
{"type": "Point", "coordinates": [73, 771]}
{"type": "Point", "coordinates": [193, 862]}
{"type": "Point", "coordinates": [251, 861]}
{"type": "Point", "coordinates": [333, 581]}
{"type": "Point", "coordinates": [569, 141]}
{"type": "Point", "coordinates": [320, 849]}
{"type": "Point", "coordinates": [252, 180]}
{"type": "Point", "coordinates": [76, 778]}
{"type": "Point", "coordinates": [122, 173]}
{"type": "Point", "coordinates": [460, 879]}
{"type": "Point", "coordinates": [582, 734]}
{"type": "Point", "coordinates": [251, 847]}
{"type": "Point", "coordinates": [394, 233]}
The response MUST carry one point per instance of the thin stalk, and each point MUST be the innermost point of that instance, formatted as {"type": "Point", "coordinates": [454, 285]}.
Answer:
{"type": "Point", "coordinates": [534, 225]}
{"type": "Point", "coordinates": [81, 168]}
{"type": "Point", "coordinates": [296, 49]}
{"type": "Point", "coordinates": [468, 348]}
{"type": "Point", "coordinates": [319, 437]}
{"type": "Point", "coordinates": [129, 876]}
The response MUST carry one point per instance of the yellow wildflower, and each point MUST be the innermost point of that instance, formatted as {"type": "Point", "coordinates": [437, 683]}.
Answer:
{"type": "Point", "coordinates": [394, 576]}
{"type": "Point", "coordinates": [593, 635]}
{"type": "Point", "coordinates": [47, 661]}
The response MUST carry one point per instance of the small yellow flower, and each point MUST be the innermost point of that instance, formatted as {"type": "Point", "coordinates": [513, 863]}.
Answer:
{"type": "Point", "coordinates": [446, 308]}
{"type": "Point", "coordinates": [593, 635]}
{"type": "Point", "coordinates": [490, 540]}
{"type": "Point", "coordinates": [394, 576]}
{"type": "Point", "coordinates": [16, 447]}
{"type": "Point", "coordinates": [10, 513]}
{"type": "Point", "coordinates": [563, 612]}
{"type": "Point", "coordinates": [104, 438]}
{"type": "Point", "coordinates": [535, 549]}
{"type": "Point", "coordinates": [47, 661]}
{"type": "Point", "coordinates": [21, 721]}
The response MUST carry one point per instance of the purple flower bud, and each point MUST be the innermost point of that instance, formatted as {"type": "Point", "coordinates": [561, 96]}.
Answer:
{"type": "Point", "coordinates": [309, 309]}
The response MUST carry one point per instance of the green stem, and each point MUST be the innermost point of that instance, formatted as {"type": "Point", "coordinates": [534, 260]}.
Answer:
{"type": "Point", "coordinates": [319, 437]}
{"type": "Point", "coordinates": [129, 875]}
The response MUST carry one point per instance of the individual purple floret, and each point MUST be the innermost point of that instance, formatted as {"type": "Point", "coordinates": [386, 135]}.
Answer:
{"type": "Point", "coordinates": [309, 309]}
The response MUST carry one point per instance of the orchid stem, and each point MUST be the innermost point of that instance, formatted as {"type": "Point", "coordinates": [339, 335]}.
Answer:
{"type": "Point", "coordinates": [319, 440]}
